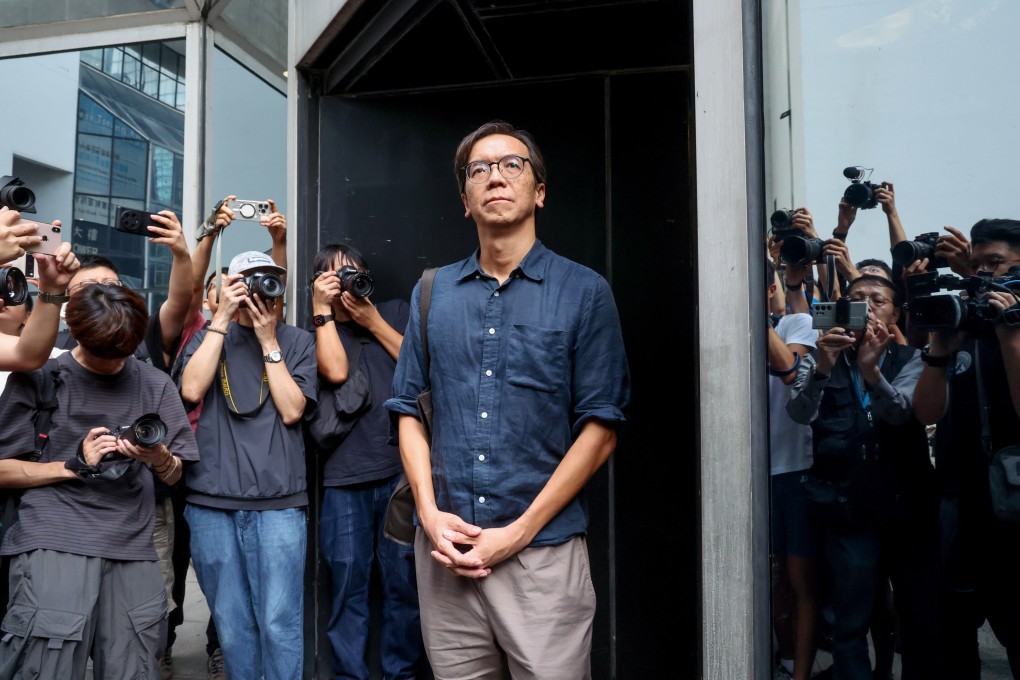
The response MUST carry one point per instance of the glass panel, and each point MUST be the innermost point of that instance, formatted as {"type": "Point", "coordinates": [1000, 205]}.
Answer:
{"type": "Point", "coordinates": [28, 12]}
{"type": "Point", "coordinates": [130, 159]}
{"type": "Point", "coordinates": [92, 118]}
{"type": "Point", "coordinates": [92, 164]}
{"type": "Point", "coordinates": [131, 71]}
{"type": "Point", "coordinates": [262, 22]}
{"type": "Point", "coordinates": [150, 81]}
{"type": "Point", "coordinates": [161, 191]}
{"type": "Point", "coordinates": [93, 58]}
{"type": "Point", "coordinates": [113, 59]}
{"type": "Point", "coordinates": [122, 130]}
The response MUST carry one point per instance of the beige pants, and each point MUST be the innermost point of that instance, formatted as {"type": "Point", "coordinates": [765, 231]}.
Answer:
{"type": "Point", "coordinates": [532, 615]}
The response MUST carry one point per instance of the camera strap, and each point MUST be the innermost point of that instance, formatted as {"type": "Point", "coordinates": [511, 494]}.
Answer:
{"type": "Point", "coordinates": [228, 395]}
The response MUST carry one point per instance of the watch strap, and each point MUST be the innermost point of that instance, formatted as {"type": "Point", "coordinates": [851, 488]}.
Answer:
{"type": "Point", "coordinates": [323, 319]}
{"type": "Point", "coordinates": [937, 362]}
{"type": "Point", "coordinates": [54, 298]}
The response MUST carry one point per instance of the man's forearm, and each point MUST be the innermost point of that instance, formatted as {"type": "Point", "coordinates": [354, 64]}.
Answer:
{"type": "Point", "coordinates": [285, 393]}
{"type": "Point", "coordinates": [36, 340]}
{"type": "Point", "coordinates": [22, 474]}
{"type": "Point", "coordinates": [201, 368]}
{"type": "Point", "coordinates": [414, 454]}
{"type": "Point", "coordinates": [175, 311]}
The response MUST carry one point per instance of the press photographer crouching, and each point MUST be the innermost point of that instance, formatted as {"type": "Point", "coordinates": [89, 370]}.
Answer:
{"type": "Point", "coordinates": [871, 481]}
{"type": "Point", "coordinates": [970, 387]}
{"type": "Point", "coordinates": [84, 576]}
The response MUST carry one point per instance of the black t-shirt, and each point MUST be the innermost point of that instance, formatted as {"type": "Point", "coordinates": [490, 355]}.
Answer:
{"type": "Point", "coordinates": [366, 454]}
{"type": "Point", "coordinates": [96, 518]}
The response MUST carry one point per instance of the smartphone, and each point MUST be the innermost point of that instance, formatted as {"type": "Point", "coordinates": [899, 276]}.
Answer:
{"type": "Point", "coordinates": [254, 211]}
{"type": "Point", "coordinates": [131, 221]}
{"type": "Point", "coordinates": [51, 237]}
{"type": "Point", "coordinates": [845, 313]}
{"type": "Point", "coordinates": [26, 263]}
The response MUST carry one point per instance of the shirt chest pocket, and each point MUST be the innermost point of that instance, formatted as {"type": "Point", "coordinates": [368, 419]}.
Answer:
{"type": "Point", "coordinates": [537, 358]}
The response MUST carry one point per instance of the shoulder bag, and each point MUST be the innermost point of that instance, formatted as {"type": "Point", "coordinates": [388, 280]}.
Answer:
{"type": "Point", "coordinates": [399, 523]}
{"type": "Point", "coordinates": [340, 406]}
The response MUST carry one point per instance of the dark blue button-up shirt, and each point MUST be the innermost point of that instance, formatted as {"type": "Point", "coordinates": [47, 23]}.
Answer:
{"type": "Point", "coordinates": [516, 370]}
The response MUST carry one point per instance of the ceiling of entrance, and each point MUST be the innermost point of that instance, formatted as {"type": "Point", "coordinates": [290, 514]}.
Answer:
{"type": "Point", "coordinates": [408, 45]}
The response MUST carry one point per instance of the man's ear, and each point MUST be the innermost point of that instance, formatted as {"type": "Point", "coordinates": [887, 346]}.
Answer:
{"type": "Point", "coordinates": [540, 196]}
{"type": "Point", "coordinates": [467, 210]}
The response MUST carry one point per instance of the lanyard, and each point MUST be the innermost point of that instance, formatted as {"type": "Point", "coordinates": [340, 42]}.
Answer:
{"type": "Point", "coordinates": [863, 396]}
{"type": "Point", "coordinates": [225, 384]}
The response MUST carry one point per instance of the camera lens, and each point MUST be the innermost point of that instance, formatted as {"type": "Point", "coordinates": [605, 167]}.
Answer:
{"type": "Point", "coordinates": [13, 286]}
{"type": "Point", "coordinates": [149, 430]}
{"type": "Point", "coordinates": [905, 252]}
{"type": "Point", "coordinates": [799, 250]}
{"type": "Point", "coordinates": [937, 312]}
{"type": "Point", "coordinates": [16, 196]}
{"type": "Point", "coordinates": [859, 194]}
{"type": "Point", "coordinates": [268, 286]}
{"type": "Point", "coordinates": [781, 219]}
{"type": "Point", "coordinates": [358, 284]}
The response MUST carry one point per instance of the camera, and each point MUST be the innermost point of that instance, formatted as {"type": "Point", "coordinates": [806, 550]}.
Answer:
{"type": "Point", "coordinates": [15, 195]}
{"type": "Point", "coordinates": [254, 211]}
{"type": "Point", "coordinates": [268, 285]}
{"type": "Point", "coordinates": [970, 311]}
{"type": "Point", "coordinates": [13, 286]}
{"type": "Point", "coordinates": [358, 284]}
{"type": "Point", "coordinates": [845, 313]}
{"type": "Point", "coordinates": [148, 430]}
{"type": "Point", "coordinates": [905, 252]}
{"type": "Point", "coordinates": [860, 193]}
{"type": "Point", "coordinates": [796, 249]}
{"type": "Point", "coordinates": [131, 221]}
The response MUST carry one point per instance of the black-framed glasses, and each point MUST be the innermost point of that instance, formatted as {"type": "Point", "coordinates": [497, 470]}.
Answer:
{"type": "Point", "coordinates": [510, 167]}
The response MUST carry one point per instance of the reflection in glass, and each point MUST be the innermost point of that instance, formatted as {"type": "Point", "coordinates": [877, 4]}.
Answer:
{"type": "Point", "coordinates": [263, 23]}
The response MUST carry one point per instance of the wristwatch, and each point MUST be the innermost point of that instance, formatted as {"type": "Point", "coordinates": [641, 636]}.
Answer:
{"type": "Point", "coordinates": [938, 362]}
{"type": "Point", "coordinates": [54, 298]}
{"type": "Point", "coordinates": [323, 319]}
{"type": "Point", "coordinates": [274, 357]}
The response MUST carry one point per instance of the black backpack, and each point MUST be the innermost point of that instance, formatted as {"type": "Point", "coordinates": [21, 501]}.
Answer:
{"type": "Point", "coordinates": [46, 403]}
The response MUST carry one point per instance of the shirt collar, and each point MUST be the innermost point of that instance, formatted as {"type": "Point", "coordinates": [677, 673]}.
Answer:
{"type": "Point", "coordinates": [533, 266]}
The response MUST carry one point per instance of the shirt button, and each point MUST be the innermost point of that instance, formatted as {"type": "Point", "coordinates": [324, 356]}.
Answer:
{"type": "Point", "coordinates": [488, 374]}
{"type": "Point", "coordinates": [492, 331]}
{"type": "Point", "coordinates": [481, 499]}
{"type": "Point", "coordinates": [484, 415]}
{"type": "Point", "coordinates": [481, 456]}
{"type": "Point", "coordinates": [496, 294]}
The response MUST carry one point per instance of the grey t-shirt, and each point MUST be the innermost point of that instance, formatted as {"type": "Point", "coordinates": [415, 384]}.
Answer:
{"type": "Point", "coordinates": [251, 461]}
{"type": "Point", "coordinates": [96, 518]}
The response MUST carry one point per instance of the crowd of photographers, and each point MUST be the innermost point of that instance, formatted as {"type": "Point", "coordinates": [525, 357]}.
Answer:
{"type": "Point", "coordinates": [100, 418]}
{"type": "Point", "coordinates": [895, 444]}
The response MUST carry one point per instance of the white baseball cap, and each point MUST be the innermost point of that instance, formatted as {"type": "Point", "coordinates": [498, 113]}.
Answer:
{"type": "Point", "coordinates": [253, 259]}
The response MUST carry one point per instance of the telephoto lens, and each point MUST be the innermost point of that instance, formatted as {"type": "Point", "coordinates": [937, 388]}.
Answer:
{"type": "Point", "coordinates": [13, 286]}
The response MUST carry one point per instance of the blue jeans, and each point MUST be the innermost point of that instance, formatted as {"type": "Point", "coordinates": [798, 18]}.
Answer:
{"type": "Point", "coordinates": [351, 529]}
{"type": "Point", "coordinates": [251, 565]}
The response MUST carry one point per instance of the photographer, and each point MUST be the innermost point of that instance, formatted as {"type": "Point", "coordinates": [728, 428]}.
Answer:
{"type": "Point", "coordinates": [31, 348]}
{"type": "Point", "coordinates": [870, 481]}
{"type": "Point", "coordinates": [969, 371]}
{"type": "Point", "coordinates": [360, 474]}
{"type": "Point", "coordinates": [85, 581]}
{"type": "Point", "coordinates": [256, 379]}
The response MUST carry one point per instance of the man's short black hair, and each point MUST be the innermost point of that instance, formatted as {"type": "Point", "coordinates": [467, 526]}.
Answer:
{"type": "Point", "coordinates": [95, 261]}
{"type": "Point", "coordinates": [897, 298]}
{"type": "Point", "coordinates": [208, 279]}
{"type": "Point", "coordinates": [996, 229]}
{"type": "Point", "coordinates": [875, 262]}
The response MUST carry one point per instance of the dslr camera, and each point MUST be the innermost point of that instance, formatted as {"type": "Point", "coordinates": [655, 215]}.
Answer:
{"type": "Point", "coordinates": [968, 311]}
{"type": "Point", "coordinates": [844, 313]}
{"type": "Point", "coordinates": [797, 248]}
{"type": "Point", "coordinates": [148, 430]}
{"type": "Point", "coordinates": [906, 252]}
{"type": "Point", "coordinates": [359, 284]}
{"type": "Point", "coordinates": [268, 285]}
{"type": "Point", "coordinates": [861, 193]}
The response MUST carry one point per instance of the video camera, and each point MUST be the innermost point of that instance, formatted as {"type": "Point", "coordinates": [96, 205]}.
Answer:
{"type": "Point", "coordinates": [797, 249]}
{"type": "Point", "coordinates": [861, 192]}
{"type": "Point", "coordinates": [970, 311]}
{"type": "Point", "coordinates": [906, 252]}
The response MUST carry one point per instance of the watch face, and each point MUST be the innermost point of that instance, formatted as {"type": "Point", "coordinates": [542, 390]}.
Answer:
{"type": "Point", "coordinates": [274, 356]}
{"type": "Point", "coordinates": [319, 320]}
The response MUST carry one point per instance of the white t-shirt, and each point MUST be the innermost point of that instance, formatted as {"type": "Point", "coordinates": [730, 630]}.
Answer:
{"type": "Point", "coordinates": [790, 442]}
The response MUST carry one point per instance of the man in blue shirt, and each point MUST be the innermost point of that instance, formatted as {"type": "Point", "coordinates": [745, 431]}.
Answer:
{"type": "Point", "coordinates": [529, 383]}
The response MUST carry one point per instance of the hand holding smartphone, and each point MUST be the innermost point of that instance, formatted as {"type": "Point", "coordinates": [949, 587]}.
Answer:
{"type": "Point", "coordinates": [51, 237]}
